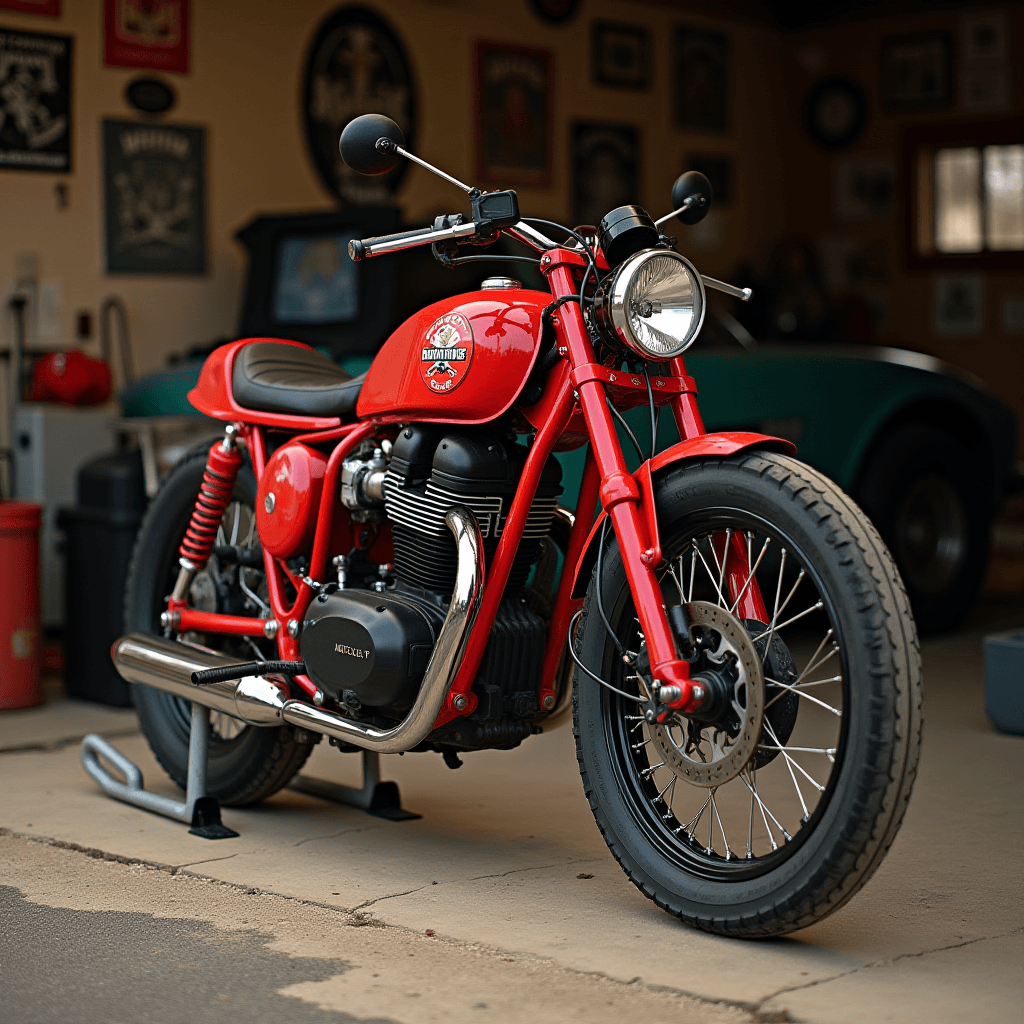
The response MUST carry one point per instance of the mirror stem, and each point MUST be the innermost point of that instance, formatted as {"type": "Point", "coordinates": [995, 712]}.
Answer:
{"type": "Point", "coordinates": [690, 201]}
{"type": "Point", "coordinates": [388, 146]}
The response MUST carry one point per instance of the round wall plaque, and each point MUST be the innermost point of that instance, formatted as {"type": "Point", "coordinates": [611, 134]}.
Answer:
{"type": "Point", "coordinates": [150, 95]}
{"type": "Point", "coordinates": [356, 65]}
{"type": "Point", "coordinates": [836, 113]}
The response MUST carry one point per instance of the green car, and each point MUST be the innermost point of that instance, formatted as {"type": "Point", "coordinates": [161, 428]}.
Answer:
{"type": "Point", "coordinates": [924, 448]}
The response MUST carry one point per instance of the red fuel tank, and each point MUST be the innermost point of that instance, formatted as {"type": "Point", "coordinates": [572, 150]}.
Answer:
{"type": "Point", "coordinates": [462, 360]}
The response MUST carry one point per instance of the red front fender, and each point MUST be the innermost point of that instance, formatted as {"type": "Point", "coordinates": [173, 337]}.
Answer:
{"type": "Point", "coordinates": [703, 447]}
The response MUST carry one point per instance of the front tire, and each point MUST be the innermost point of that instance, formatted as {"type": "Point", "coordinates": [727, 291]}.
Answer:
{"type": "Point", "coordinates": [246, 763]}
{"type": "Point", "coordinates": [835, 758]}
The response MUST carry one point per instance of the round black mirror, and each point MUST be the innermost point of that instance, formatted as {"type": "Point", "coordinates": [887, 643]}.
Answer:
{"type": "Point", "coordinates": [696, 185]}
{"type": "Point", "coordinates": [358, 144]}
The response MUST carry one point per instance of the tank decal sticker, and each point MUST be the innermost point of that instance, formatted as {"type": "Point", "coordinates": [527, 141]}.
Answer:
{"type": "Point", "coordinates": [447, 353]}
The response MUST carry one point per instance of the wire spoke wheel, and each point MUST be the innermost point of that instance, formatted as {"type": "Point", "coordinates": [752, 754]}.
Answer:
{"type": "Point", "coordinates": [773, 803]}
{"type": "Point", "coordinates": [731, 790]}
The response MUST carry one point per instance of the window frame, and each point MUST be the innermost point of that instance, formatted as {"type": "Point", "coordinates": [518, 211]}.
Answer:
{"type": "Point", "coordinates": [932, 137]}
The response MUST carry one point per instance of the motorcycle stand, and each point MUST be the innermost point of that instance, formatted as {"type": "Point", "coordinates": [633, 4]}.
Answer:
{"type": "Point", "coordinates": [380, 799]}
{"type": "Point", "coordinates": [202, 812]}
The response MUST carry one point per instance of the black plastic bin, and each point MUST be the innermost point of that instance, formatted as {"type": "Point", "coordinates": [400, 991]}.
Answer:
{"type": "Point", "coordinates": [99, 535]}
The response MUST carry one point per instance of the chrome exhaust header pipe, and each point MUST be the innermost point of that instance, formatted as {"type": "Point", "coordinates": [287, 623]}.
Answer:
{"type": "Point", "coordinates": [168, 665]}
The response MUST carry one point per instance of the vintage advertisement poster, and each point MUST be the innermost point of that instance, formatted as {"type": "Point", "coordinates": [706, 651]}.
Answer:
{"type": "Point", "coordinates": [605, 169]}
{"type": "Point", "coordinates": [146, 34]}
{"type": "Point", "coordinates": [513, 115]}
{"type": "Point", "coordinates": [154, 182]}
{"type": "Point", "coordinates": [35, 101]}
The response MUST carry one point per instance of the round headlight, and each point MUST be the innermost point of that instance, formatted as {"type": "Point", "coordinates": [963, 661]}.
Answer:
{"type": "Point", "coordinates": [654, 304]}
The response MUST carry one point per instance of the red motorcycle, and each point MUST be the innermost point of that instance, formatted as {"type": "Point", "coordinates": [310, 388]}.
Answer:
{"type": "Point", "coordinates": [383, 560]}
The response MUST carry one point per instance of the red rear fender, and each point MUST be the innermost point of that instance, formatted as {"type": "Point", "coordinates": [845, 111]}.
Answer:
{"type": "Point", "coordinates": [706, 446]}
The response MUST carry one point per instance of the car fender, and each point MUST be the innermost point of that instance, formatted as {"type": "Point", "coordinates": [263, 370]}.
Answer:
{"type": "Point", "coordinates": [706, 446]}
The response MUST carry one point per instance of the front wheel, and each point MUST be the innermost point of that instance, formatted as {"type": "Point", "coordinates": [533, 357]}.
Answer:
{"type": "Point", "coordinates": [770, 810]}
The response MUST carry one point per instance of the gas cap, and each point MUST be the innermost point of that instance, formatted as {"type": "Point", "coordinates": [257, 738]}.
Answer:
{"type": "Point", "coordinates": [497, 284]}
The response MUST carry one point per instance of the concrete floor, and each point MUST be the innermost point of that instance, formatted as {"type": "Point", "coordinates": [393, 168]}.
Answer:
{"type": "Point", "coordinates": [502, 902]}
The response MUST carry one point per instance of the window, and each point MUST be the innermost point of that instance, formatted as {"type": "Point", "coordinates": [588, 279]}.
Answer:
{"type": "Point", "coordinates": [979, 199]}
{"type": "Point", "coordinates": [968, 195]}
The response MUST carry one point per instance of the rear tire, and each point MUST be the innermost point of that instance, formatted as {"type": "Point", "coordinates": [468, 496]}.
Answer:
{"type": "Point", "coordinates": [925, 491]}
{"type": "Point", "coordinates": [835, 845]}
{"type": "Point", "coordinates": [246, 763]}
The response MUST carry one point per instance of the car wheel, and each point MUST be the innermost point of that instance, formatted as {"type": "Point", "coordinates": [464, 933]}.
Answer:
{"type": "Point", "coordinates": [928, 496]}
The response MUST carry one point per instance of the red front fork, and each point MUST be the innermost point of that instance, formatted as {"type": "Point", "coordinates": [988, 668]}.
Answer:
{"type": "Point", "coordinates": [618, 491]}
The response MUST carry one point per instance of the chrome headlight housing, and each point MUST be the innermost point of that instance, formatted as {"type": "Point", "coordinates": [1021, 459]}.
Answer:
{"type": "Point", "coordinates": [653, 305]}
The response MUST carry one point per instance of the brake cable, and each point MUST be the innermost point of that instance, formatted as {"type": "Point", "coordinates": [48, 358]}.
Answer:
{"type": "Point", "coordinates": [583, 668]}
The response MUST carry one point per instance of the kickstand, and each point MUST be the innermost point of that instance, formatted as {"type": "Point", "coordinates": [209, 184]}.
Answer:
{"type": "Point", "coordinates": [375, 797]}
{"type": "Point", "coordinates": [200, 811]}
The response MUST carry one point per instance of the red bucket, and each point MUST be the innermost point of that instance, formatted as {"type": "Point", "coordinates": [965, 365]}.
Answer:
{"type": "Point", "coordinates": [19, 604]}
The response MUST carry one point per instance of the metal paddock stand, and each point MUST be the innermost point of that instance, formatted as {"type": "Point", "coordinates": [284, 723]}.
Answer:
{"type": "Point", "coordinates": [202, 812]}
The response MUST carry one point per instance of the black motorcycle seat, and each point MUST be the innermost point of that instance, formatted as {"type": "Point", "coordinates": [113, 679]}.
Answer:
{"type": "Point", "coordinates": [272, 377]}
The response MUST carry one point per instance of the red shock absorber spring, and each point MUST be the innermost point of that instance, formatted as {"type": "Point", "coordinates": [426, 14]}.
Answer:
{"type": "Point", "coordinates": [222, 467]}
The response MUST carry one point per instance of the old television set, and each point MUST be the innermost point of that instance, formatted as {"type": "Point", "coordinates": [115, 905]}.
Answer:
{"type": "Point", "coordinates": [303, 286]}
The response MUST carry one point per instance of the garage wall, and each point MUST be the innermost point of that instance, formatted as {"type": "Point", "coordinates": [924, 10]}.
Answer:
{"type": "Point", "coordinates": [244, 85]}
{"type": "Point", "coordinates": [903, 296]}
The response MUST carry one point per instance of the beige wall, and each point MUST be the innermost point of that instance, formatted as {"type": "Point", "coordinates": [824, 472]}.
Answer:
{"type": "Point", "coordinates": [247, 66]}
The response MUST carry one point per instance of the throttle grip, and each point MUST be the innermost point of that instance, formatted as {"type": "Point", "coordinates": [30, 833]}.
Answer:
{"type": "Point", "coordinates": [357, 246]}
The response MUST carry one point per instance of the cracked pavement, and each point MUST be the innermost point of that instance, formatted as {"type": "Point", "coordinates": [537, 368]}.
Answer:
{"type": "Point", "coordinates": [507, 872]}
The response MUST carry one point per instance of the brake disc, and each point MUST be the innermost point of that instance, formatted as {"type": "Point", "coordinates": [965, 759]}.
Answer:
{"type": "Point", "coordinates": [709, 754]}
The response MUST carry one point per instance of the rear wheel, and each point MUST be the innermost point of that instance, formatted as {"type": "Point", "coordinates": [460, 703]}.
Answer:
{"type": "Point", "coordinates": [246, 763]}
{"type": "Point", "coordinates": [771, 809]}
{"type": "Point", "coordinates": [926, 493]}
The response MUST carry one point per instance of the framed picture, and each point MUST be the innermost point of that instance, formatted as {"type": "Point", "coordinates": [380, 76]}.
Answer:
{"type": "Point", "coordinates": [958, 305]}
{"type": "Point", "coordinates": [35, 102]}
{"type": "Point", "coordinates": [48, 8]}
{"type": "Point", "coordinates": [917, 71]}
{"type": "Point", "coordinates": [146, 34]}
{"type": "Point", "coordinates": [513, 122]}
{"type": "Point", "coordinates": [864, 188]}
{"type": "Point", "coordinates": [700, 78]}
{"type": "Point", "coordinates": [718, 170]}
{"type": "Point", "coordinates": [620, 55]}
{"type": "Point", "coordinates": [154, 184]}
{"type": "Point", "coordinates": [355, 65]}
{"type": "Point", "coordinates": [605, 169]}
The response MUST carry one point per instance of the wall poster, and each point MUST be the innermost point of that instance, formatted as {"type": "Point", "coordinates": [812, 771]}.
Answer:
{"type": "Point", "coordinates": [47, 8]}
{"type": "Point", "coordinates": [513, 124]}
{"type": "Point", "coordinates": [356, 65]}
{"type": "Point", "coordinates": [146, 34]}
{"type": "Point", "coordinates": [605, 169]}
{"type": "Point", "coordinates": [700, 78]}
{"type": "Point", "coordinates": [35, 101]}
{"type": "Point", "coordinates": [154, 183]}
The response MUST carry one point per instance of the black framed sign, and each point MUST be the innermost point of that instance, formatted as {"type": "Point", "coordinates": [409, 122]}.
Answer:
{"type": "Point", "coordinates": [605, 169]}
{"type": "Point", "coordinates": [917, 71]}
{"type": "Point", "coordinates": [835, 112]}
{"type": "Point", "coordinates": [356, 65]}
{"type": "Point", "coordinates": [154, 183]}
{"type": "Point", "coordinates": [621, 55]}
{"type": "Point", "coordinates": [35, 101]}
{"type": "Point", "coordinates": [700, 78]}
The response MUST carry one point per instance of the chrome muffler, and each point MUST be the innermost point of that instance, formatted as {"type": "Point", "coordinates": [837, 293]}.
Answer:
{"type": "Point", "coordinates": [259, 700]}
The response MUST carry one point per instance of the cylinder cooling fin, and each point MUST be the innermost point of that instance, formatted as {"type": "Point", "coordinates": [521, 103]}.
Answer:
{"type": "Point", "coordinates": [431, 470]}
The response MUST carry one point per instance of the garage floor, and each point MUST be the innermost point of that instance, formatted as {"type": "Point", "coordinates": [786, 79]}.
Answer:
{"type": "Point", "coordinates": [501, 903]}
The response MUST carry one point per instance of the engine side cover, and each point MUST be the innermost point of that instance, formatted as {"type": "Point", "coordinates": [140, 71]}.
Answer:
{"type": "Point", "coordinates": [377, 645]}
